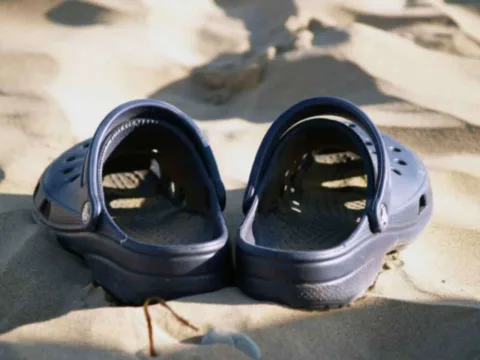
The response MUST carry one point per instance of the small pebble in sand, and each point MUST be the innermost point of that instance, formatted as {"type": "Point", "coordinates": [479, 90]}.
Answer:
{"type": "Point", "coordinates": [238, 340]}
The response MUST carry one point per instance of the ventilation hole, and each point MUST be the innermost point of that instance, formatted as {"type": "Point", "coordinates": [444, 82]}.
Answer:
{"type": "Point", "coordinates": [68, 170]}
{"type": "Point", "coordinates": [357, 205]}
{"type": "Point", "coordinates": [401, 162]}
{"type": "Point", "coordinates": [71, 158]}
{"type": "Point", "coordinates": [45, 208]}
{"type": "Point", "coordinates": [86, 145]}
{"type": "Point", "coordinates": [368, 143]}
{"type": "Point", "coordinates": [335, 157]}
{"type": "Point", "coordinates": [36, 189]}
{"type": "Point", "coordinates": [422, 203]}
{"type": "Point", "coordinates": [352, 125]}
{"type": "Point", "coordinates": [396, 171]}
{"type": "Point", "coordinates": [374, 152]}
{"type": "Point", "coordinates": [74, 177]}
{"type": "Point", "coordinates": [357, 181]}
{"type": "Point", "coordinates": [395, 149]}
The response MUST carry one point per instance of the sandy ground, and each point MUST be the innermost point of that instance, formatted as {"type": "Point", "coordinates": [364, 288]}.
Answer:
{"type": "Point", "coordinates": [414, 66]}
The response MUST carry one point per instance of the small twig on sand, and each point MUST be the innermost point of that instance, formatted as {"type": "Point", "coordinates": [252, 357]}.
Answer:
{"type": "Point", "coordinates": [159, 300]}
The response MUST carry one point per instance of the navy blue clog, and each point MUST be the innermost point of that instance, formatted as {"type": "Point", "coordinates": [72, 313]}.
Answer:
{"type": "Point", "coordinates": [327, 198]}
{"type": "Point", "coordinates": [142, 203]}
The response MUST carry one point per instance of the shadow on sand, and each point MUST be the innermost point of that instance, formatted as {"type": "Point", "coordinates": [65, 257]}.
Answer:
{"type": "Point", "coordinates": [372, 329]}
{"type": "Point", "coordinates": [36, 272]}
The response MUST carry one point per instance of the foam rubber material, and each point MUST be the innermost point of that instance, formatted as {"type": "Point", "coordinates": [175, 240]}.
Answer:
{"type": "Point", "coordinates": [142, 203]}
{"type": "Point", "coordinates": [319, 217]}
{"type": "Point", "coordinates": [150, 216]}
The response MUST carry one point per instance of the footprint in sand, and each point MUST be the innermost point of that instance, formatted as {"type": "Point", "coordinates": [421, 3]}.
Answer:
{"type": "Point", "coordinates": [36, 125]}
{"type": "Point", "coordinates": [436, 29]}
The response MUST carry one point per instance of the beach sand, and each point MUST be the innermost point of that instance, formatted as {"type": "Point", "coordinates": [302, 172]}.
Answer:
{"type": "Point", "coordinates": [414, 66]}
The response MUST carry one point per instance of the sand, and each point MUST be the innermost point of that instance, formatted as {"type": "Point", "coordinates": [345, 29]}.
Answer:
{"type": "Point", "coordinates": [414, 66]}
